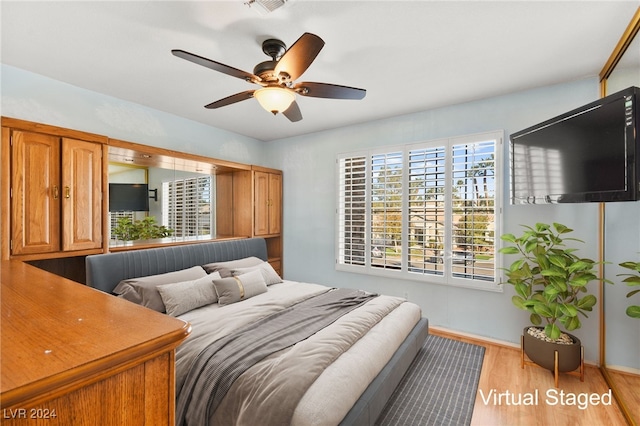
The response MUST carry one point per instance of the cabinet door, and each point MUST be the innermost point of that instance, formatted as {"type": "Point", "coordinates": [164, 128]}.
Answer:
{"type": "Point", "coordinates": [268, 203]}
{"type": "Point", "coordinates": [261, 203]}
{"type": "Point", "coordinates": [81, 195]}
{"type": "Point", "coordinates": [35, 193]}
{"type": "Point", "coordinates": [275, 203]}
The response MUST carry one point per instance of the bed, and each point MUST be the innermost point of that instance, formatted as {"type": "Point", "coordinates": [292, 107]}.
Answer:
{"type": "Point", "coordinates": [339, 366]}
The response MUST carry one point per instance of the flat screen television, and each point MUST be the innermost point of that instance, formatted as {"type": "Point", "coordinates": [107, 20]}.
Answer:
{"type": "Point", "coordinates": [128, 197]}
{"type": "Point", "coordinates": [589, 154]}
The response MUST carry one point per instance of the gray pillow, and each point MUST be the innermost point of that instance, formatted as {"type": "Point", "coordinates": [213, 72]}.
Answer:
{"type": "Point", "coordinates": [225, 267]}
{"type": "Point", "coordinates": [234, 289]}
{"type": "Point", "coordinates": [270, 275]}
{"type": "Point", "coordinates": [143, 290]}
{"type": "Point", "coordinates": [185, 296]}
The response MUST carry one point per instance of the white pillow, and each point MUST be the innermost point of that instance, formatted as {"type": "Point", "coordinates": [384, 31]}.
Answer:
{"type": "Point", "coordinates": [270, 275]}
{"type": "Point", "coordinates": [143, 290]}
{"type": "Point", "coordinates": [225, 267]}
{"type": "Point", "coordinates": [179, 298]}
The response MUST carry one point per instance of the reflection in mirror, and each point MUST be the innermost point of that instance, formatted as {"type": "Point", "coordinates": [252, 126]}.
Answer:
{"type": "Point", "coordinates": [620, 352]}
{"type": "Point", "coordinates": [125, 198]}
{"type": "Point", "coordinates": [180, 196]}
{"type": "Point", "coordinates": [186, 200]}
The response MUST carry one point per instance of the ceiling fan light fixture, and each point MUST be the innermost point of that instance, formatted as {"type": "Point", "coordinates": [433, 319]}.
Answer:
{"type": "Point", "coordinates": [274, 99]}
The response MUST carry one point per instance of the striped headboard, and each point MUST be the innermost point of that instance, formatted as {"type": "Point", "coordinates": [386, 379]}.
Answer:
{"type": "Point", "coordinates": [105, 271]}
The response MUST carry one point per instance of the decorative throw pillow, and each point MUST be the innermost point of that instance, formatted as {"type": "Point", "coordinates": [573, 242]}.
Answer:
{"type": "Point", "coordinates": [234, 289]}
{"type": "Point", "coordinates": [270, 275]}
{"type": "Point", "coordinates": [225, 267]}
{"type": "Point", "coordinates": [143, 290]}
{"type": "Point", "coordinates": [185, 296]}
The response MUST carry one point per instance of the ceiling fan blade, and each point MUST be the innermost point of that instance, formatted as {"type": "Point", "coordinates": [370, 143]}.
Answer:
{"type": "Point", "coordinates": [216, 66]}
{"type": "Point", "coordinates": [332, 91]}
{"type": "Point", "coordinates": [300, 55]}
{"type": "Point", "coordinates": [293, 112]}
{"type": "Point", "coordinates": [242, 96]}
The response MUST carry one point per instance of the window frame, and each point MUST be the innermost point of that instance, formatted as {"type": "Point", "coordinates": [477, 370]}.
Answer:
{"type": "Point", "coordinates": [448, 276]}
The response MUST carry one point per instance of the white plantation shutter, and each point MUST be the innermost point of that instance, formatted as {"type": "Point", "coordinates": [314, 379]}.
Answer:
{"type": "Point", "coordinates": [187, 206]}
{"type": "Point", "coordinates": [427, 167]}
{"type": "Point", "coordinates": [472, 236]}
{"type": "Point", "coordinates": [386, 210]}
{"type": "Point", "coordinates": [352, 210]}
{"type": "Point", "coordinates": [425, 211]}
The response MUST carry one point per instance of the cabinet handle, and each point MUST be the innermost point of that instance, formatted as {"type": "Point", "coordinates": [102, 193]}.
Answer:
{"type": "Point", "coordinates": [67, 192]}
{"type": "Point", "coordinates": [56, 192]}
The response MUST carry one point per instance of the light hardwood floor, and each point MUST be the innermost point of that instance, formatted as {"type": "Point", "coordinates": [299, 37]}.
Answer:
{"type": "Point", "coordinates": [502, 373]}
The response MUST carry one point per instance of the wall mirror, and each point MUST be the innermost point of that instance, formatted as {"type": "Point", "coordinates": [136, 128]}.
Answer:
{"type": "Point", "coordinates": [157, 196]}
{"type": "Point", "coordinates": [620, 334]}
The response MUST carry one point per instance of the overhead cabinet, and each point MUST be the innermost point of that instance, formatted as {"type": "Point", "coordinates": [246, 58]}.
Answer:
{"type": "Point", "coordinates": [56, 193]}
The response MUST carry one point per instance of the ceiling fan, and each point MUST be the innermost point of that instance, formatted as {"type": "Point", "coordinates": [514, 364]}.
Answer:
{"type": "Point", "coordinates": [278, 91]}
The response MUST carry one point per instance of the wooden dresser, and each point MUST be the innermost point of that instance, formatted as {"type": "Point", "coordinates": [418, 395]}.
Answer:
{"type": "Point", "coordinates": [72, 355]}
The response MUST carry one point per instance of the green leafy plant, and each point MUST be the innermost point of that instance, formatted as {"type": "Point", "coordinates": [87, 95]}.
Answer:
{"type": "Point", "coordinates": [144, 229]}
{"type": "Point", "coordinates": [549, 279]}
{"type": "Point", "coordinates": [632, 280]}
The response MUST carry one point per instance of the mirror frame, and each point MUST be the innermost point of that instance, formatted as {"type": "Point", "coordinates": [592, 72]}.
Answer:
{"type": "Point", "coordinates": [620, 49]}
{"type": "Point", "coordinates": [625, 41]}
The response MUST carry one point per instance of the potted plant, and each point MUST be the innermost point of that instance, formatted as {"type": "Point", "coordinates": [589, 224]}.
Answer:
{"type": "Point", "coordinates": [550, 282]}
{"type": "Point", "coordinates": [632, 280]}
{"type": "Point", "coordinates": [144, 229]}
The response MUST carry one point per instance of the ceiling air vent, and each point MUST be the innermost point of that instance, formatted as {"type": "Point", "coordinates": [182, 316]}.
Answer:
{"type": "Point", "coordinates": [264, 7]}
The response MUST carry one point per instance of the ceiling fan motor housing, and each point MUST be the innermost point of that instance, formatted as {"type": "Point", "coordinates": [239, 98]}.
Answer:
{"type": "Point", "coordinates": [264, 70]}
{"type": "Point", "coordinates": [274, 48]}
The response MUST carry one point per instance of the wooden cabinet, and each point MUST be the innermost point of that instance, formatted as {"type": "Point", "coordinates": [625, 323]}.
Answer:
{"type": "Point", "coordinates": [267, 203]}
{"type": "Point", "coordinates": [72, 355]}
{"type": "Point", "coordinates": [257, 208]}
{"type": "Point", "coordinates": [54, 203]}
{"type": "Point", "coordinates": [35, 193]}
{"type": "Point", "coordinates": [81, 195]}
{"type": "Point", "coordinates": [56, 186]}
{"type": "Point", "coordinates": [267, 212]}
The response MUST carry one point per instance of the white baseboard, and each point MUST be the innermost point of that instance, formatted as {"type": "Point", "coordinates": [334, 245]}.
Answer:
{"type": "Point", "coordinates": [476, 337]}
{"type": "Point", "coordinates": [515, 345]}
{"type": "Point", "coordinates": [623, 369]}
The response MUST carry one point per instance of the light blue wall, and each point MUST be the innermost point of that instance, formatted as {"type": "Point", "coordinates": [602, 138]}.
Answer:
{"type": "Point", "coordinates": [309, 168]}
{"type": "Point", "coordinates": [32, 97]}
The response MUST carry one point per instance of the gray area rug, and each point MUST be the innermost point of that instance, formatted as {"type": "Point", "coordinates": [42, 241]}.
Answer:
{"type": "Point", "coordinates": [439, 388]}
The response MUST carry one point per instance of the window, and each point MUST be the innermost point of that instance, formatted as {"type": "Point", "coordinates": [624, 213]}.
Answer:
{"type": "Point", "coordinates": [187, 206]}
{"type": "Point", "coordinates": [426, 211]}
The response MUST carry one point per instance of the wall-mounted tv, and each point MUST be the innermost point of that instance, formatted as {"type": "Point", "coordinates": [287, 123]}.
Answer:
{"type": "Point", "coordinates": [589, 154]}
{"type": "Point", "coordinates": [128, 197]}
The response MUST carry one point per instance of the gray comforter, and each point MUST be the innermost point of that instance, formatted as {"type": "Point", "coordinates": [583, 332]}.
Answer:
{"type": "Point", "coordinates": [314, 371]}
{"type": "Point", "coordinates": [218, 366]}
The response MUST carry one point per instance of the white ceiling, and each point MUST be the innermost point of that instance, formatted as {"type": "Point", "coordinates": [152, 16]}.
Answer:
{"type": "Point", "coordinates": [409, 55]}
